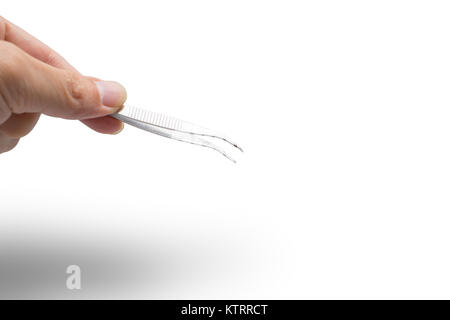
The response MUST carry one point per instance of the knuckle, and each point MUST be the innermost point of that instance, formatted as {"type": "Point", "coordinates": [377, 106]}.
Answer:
{"type": "Point", "coordinates": [13, 71]}
{"type": "Point", "coordinates": [75, 87]}
{"type": "Point", "coordinates": [11, 60]}
{"type": "Point", "coordinates": [78, 92]}
{"type": "Point", "coordinates": [51, 58]}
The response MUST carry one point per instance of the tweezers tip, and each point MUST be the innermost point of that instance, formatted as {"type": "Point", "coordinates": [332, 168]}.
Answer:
{"type": "Point", "coordinates": [240, 149]}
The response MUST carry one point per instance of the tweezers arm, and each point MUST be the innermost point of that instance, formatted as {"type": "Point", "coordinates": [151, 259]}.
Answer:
{"type": "Point", "coordinates": [188, 137]}
{"type": "Point", "coordinates": [140, 124]}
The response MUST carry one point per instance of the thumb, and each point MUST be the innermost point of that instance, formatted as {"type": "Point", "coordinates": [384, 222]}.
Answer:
{"type": "Point", "coordinates": [29, 85]}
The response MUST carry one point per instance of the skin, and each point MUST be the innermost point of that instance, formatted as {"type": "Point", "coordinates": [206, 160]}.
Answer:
{"type": "Point", "coordinates": [36, 80]}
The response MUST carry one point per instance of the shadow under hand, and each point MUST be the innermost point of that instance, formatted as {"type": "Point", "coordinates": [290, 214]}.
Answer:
{"type": "Point", "coordinates": [35, 268]}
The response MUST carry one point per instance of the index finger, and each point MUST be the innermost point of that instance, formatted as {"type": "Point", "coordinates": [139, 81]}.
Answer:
{"type": "Point", "coordinates": [25, 41]}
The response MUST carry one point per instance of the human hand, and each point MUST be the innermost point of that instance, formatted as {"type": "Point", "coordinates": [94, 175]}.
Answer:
{"type": "Point", "coordinates": [34, 79]}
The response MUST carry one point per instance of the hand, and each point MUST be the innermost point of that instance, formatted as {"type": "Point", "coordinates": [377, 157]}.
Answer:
{"type": "Point", "coordinates": [34, 79]}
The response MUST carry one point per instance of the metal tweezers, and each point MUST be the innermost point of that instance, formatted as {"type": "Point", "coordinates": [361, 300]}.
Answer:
{"type": "Point", "coordinates": [175, 129]}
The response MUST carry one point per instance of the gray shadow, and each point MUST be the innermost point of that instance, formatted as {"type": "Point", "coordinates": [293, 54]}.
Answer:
{"type": "Point", "coordinates": [35, 268]}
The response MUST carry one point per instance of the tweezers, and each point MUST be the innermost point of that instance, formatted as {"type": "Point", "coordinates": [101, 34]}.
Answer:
{"type": "Point", "coordinates": [176, 129]}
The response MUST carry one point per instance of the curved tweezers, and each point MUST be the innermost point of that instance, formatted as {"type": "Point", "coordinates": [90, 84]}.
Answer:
{"type": "Point", "coordinates": [174, 129]}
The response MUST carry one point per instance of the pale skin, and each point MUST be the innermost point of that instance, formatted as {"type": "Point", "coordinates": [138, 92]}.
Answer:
{"type": "Point", "coordinates": [36, 80]}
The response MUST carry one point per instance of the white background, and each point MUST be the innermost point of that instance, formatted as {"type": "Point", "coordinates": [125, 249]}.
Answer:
{"type": "Point", "coordinates": [342, 108]}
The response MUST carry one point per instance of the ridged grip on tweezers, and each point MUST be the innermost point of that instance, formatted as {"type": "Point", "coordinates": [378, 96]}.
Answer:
{"type": "Point", "coordinates": [156, 119]}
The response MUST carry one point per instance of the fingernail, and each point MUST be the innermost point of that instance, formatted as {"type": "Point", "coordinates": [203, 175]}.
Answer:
{"type": "Point", "coordinates": [112, 93]}
{"type": "Point", "coordinates": [120, 130]}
